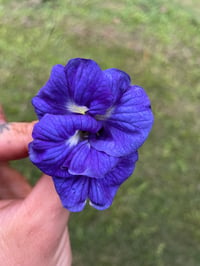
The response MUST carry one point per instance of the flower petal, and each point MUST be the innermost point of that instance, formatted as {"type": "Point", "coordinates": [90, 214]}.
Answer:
{"type": "Point", "coordinates": [119, 81]}
{"type": "Point", "coordinates": [102, 191]}
{"type": "Point", "coordinates": [49, 160]}
{"type": "Point", "coordinates": [128, 125]}
{"type": "Point", "coordinates": [122, 171]}
{"type": "Point", "coordinates": [87, 85]}
{"type": "Point", "coordinates": [53, 96]}
{"type": "Point", "coordinates": [73, 192]}
{"type": "Point", "coordinates": [54, 141]}
{"type": "Point", "coordinates": [85, 160]}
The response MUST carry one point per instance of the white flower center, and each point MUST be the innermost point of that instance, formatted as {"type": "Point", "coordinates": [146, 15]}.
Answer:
{"type": "Point", "coordinates": [76, 108]}
{"type": "Point", "coordinates": [106, 115]}
{"type": "Point", "coordinates": [73, 140]}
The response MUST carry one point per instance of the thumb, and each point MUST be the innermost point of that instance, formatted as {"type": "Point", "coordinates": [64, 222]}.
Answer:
{"type": "Point", "coordinates": [44, 204]}
{"type": "Point", "coordinates": [14, 140]}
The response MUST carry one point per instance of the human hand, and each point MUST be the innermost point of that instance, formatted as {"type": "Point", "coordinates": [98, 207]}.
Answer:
{"type": "Point", "coordinates": [33, 228]}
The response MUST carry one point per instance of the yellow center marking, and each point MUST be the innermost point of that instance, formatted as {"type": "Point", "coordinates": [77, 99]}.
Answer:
{"type": "Point", "coordinates": [77, 109]}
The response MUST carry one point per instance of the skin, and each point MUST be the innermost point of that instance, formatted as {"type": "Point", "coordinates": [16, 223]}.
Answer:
{"type": "Point", "coordinates": [33, 222]}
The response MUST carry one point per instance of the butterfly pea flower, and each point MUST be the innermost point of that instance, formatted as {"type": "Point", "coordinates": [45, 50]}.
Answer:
{"type": "Point", "coordinates": [91, 125]}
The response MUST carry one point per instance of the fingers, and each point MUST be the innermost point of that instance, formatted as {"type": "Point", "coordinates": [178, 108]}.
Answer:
{"type": "Point", "coordinates": [12, 184]}
{"type": "Point", "coordinates": [44, 204]}
{"type": "Point", "coordinates": [9, 202]}
{"type": "Point", "coordinates": [14, 140]}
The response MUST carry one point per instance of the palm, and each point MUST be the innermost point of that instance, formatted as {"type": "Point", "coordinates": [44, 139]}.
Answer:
{"type": "Point", "coordinates": [32, 228]}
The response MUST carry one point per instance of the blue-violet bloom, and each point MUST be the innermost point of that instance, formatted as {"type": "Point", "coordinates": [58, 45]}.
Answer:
{"type": "Point", "coordinates": [91, 124]}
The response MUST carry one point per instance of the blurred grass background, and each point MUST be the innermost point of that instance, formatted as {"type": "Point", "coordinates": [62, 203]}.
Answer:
{"type": "Point", "coordinates": [155, 218]}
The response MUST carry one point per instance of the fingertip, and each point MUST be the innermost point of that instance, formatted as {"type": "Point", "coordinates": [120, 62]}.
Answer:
{"type": "Point", "coordinates": [14, 140]}
{"type": "Point", "coordinates": [44, 200]}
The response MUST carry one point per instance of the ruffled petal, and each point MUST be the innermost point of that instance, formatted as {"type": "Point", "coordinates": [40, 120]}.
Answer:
{"type": "Point", "coordinates": [128, 125]}
{"type": "Point", "coordinates": [49, 160]}
{"type": "Point", "coordinates": [85, 160]}
{"type": "Point", "coordinates": [73, 192]}
{"type": "Point", "coordinates": [102, 191]}
{"type": "Point", "coordinates": [122, 171]}
{"type": "Point", "coordinates": [87, 85]}
{"type": "Point", "coordinates": [53, 96]}
{"type": "Point", "coordinates": [119, 82]}
{"type": "Point", "coordinates": [54, 140]}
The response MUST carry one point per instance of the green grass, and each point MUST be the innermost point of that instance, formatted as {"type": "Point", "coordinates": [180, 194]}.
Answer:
{"type": "Point", "coordinates": [155, 218]}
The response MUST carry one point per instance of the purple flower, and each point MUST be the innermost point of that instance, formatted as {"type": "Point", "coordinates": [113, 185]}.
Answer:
{"type": "Point", "coordinates": [91, 124]}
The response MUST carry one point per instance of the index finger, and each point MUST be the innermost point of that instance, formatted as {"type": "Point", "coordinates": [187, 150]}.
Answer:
{"type": "Point", "coordinates": [14, 140]}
